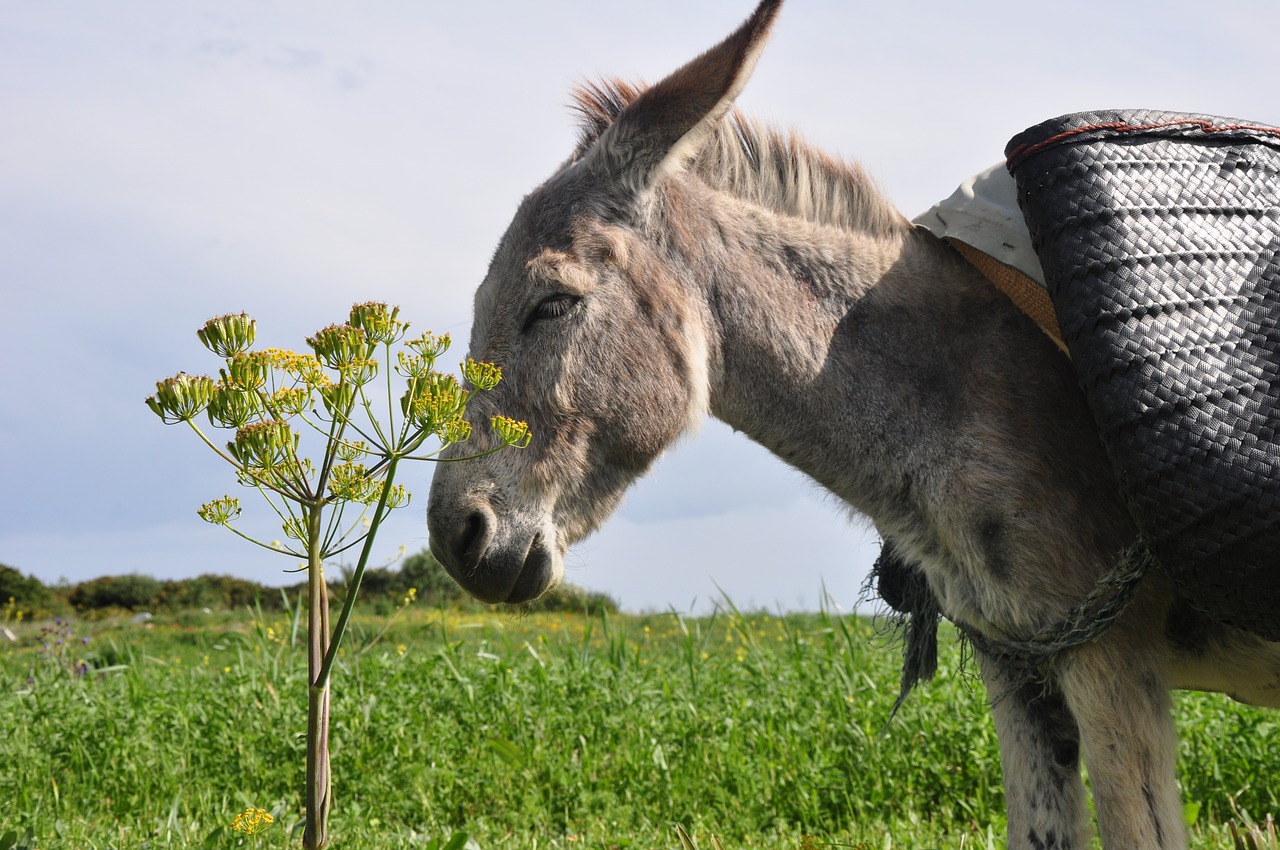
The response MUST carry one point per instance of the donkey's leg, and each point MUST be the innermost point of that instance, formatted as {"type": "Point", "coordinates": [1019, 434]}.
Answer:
{"type": "Point", "coordinates": [1040, 754]}
{"type": "Point", "coordinates": [1118, 692]}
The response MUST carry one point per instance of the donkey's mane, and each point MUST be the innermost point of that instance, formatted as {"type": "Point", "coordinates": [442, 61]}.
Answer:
{"type": "Point", "coordinates": [761, 164]}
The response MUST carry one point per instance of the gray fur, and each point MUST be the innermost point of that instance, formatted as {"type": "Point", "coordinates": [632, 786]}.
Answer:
{"type": "Point", "coordinates": [685, 261]}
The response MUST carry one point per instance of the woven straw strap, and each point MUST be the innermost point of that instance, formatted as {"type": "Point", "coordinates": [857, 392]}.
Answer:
{"type": "Point", "coordinates": [1029, 296]}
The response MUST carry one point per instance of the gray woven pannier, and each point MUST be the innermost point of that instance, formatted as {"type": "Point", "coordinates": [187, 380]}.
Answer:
{"type": "Point", "coordinates": [1159, 234]}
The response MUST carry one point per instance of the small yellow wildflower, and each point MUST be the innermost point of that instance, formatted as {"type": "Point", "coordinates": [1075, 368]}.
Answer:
{"type": "Point", "coordinates": [252, 821]}
{"type": "Point", "coordinates": [511, 432]}
{"type": "Point", "coordinates": [483, 376]}
{"type": "Point", "coordinates": [220, 511]}
{"type": "Point", "coordinates": [401, 649]}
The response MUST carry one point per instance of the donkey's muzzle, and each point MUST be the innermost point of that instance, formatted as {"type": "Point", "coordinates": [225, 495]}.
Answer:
{"type": "Point", "coordinates": [465, 544]}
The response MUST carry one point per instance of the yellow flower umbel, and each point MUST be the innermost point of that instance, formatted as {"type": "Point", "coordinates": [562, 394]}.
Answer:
{"type": "Point", "coordinates": [429, 346]}
{"type": "Point", "coordinates": [252, 821]}
{"type": "Point", "coordinates": [482, 376]}
{"type": "Point", "coordinates": [433, 400]}
{"type": "Point", "coordinates": [220, 511]}
{"type": "Point", "coordinates": [512, 433]}
{"type": "Point", "coordinates": [338, 345]}
{"type": "Point", "coordinates": [379, 322]}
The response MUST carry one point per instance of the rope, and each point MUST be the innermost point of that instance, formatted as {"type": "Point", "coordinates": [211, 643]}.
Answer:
{"type": "Point", "coordinates": [906, 591]}
{"type": "Point", "coordinates": [1088, 621]}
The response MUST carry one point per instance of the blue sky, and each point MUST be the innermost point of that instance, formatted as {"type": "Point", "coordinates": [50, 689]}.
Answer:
{"type": "Point", "coordinates": [165, 162]}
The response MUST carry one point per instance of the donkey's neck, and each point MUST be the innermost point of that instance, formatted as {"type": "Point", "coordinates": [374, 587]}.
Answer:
{"type": "Point", "coordinates": [845, 354]}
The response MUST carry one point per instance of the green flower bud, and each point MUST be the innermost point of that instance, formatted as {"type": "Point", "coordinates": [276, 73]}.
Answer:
{"type": "Point", "coordinates": [398, 497]}
{"type": "Point", "coordinates": [233, 407]}
{"type": "Point", "coordinates": [263, 445]}
{"type": "Point", "coordinates": [220, 511]}
{"type": "Point", "coordinates": [181, 397]}
{"type": "Point", "coordinates": [248, 369]}
{"type": "Point", "coordinates": [338, 345]}
{"type": "Point", "coordinates": [227, 335]}
{"type": "Point", "coordinates": [511, 432]}
{"type": "Point", "coordinates": [413, 388]}
{"type": "Point", "coordinates": [351, 451]}
{"type": "Point", "coordinates": [379, 323]}
{"type": "Point", "coordinates": [338, 399]}
{"type": "Point", "coordinates": [482, 376]}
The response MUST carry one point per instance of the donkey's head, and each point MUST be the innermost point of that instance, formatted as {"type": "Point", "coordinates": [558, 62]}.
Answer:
{"type": "Point", "coordinates": [602, 351]}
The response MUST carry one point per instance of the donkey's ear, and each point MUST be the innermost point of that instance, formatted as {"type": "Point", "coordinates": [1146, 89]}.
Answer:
{"type": "Point", "coordinates": [665, 126]}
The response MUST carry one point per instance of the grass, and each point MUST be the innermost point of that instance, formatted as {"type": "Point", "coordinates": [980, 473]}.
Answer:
{"type": "Point", "coordinates": [546, 731]}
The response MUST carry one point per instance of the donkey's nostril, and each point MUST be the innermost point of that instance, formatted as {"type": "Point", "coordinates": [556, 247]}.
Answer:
{"type": "Point", "coordinates": [470, 544]}
{"type": "Point", "coordinates": [463, 539]}
{"type": "Point", "coordinates": [459, 540]}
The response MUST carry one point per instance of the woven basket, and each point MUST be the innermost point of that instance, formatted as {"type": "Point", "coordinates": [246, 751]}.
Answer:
{"type": "Point", "coordinates": [1159, 234]}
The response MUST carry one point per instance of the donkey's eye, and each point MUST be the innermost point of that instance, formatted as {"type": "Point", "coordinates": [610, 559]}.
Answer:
{"type": "Point", "coordinates": [553, 307]}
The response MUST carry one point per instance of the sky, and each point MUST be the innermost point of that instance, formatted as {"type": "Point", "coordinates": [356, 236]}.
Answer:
{"type": "Point", "coordinates": [162, 163]}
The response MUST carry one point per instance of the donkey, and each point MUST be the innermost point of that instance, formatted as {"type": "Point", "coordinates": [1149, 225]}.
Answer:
{"type": "Point", "coordinates": [684, 261]}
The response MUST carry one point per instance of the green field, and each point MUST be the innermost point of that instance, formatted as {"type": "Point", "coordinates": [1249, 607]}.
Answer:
{"type": "Point", "coordinates": [550, 730]}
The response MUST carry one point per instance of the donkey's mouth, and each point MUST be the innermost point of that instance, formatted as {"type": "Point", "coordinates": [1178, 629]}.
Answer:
{"type": "Point", "coordinates": [537, 573]}
{"type": "Point", "coordinates": [493, 560]}
{"type": "Point", "coordinates": [494, 574]}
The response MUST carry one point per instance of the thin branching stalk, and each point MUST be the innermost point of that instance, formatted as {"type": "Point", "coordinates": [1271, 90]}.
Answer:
{"type": "Point", "coordinates": [318, 798]}
{"type": "Point", "coordinates": [353, 583]}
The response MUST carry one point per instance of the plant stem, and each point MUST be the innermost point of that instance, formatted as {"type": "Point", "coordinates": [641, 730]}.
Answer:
{"type": "Point", "coordinates": [353, 584]}
{"type": "Point", "coordinates": [316, 834]}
